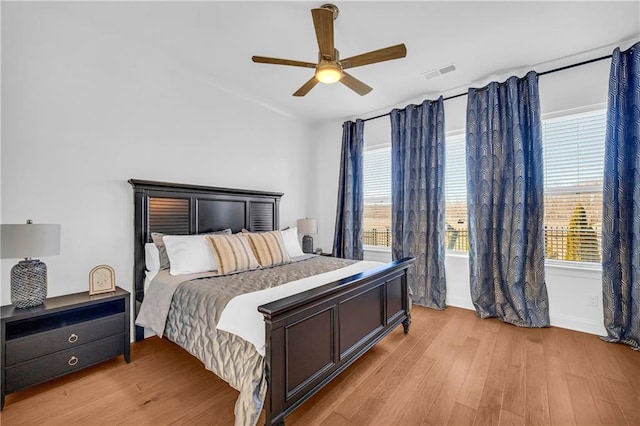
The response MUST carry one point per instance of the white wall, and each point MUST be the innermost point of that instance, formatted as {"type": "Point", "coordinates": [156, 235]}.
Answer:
{"type": "Point", "coordinates": [570, 289]}
{"type": "Point", "coordinates": [83, 110]}
{"type": "Point", "coordinates": [326, 172]}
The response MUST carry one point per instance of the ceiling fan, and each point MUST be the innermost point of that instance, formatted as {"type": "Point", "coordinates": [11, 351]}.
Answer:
{"type": "Point", "coordinates": [330, 68]}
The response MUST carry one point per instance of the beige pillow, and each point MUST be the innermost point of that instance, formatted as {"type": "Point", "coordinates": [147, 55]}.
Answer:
{"type": "Point", "coordinates": [268, 247]}
{"type": "Point", "coordinates": [232, 253]}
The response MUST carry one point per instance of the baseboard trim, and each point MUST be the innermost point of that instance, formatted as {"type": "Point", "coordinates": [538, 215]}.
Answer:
{"type": "Point", "coordinates": [578, 324]}
{"type": "Point", "coordinates": [460, 303]}
{"type": "Point", "coordinates": [557, 320]}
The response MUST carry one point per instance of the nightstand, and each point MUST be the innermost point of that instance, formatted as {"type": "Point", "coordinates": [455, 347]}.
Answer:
{"type": "Point", "coordinates": [63, 335]}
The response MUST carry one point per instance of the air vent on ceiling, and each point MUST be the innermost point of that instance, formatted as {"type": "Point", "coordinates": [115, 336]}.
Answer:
{"type": "Point", "coordinates": [439, 71]}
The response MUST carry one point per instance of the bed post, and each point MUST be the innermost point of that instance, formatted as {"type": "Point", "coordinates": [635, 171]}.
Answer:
{"type": "Point", "coordinates": [275, 371]}
{"type": "Point", "coordinates": [406, 323]}
{"type": "Point", "coordinates": [140, 227]}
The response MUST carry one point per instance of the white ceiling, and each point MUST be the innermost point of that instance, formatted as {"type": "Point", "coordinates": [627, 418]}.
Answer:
{"type": "Point", "coordinates": [485, 41]}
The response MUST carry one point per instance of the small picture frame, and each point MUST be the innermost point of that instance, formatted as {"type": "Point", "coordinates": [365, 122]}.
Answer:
{"type": "Point", "coordinates": [102, 279]}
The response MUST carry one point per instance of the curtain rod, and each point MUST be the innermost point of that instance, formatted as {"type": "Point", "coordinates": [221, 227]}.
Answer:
{"type": "Point", "coordinates": [539, 74]}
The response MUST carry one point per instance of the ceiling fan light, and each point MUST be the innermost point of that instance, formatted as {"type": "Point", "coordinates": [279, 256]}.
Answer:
{"type": "Point", "coordinates": [328, 73]}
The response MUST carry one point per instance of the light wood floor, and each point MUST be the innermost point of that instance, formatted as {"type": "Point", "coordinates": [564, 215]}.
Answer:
{"type": "Point", "coordinates": [452, 368]}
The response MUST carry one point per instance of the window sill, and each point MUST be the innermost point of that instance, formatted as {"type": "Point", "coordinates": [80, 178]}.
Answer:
{"type": "Point", "coordinates": [557, 265]}
{"type": "Point", "coordinates": [550, 263]}
{"type": "Point", "coordinates": [568, 266]}
{"type": "Point", "coordinates": [460, 254]}
{"type": "Point", "coordinates": [378, 249]}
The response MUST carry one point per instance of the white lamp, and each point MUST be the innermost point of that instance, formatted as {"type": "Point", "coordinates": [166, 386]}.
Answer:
{"type": "Point", "coordinates": [29, 276]}
{"type": "Point", "coordinates": [307, 226]}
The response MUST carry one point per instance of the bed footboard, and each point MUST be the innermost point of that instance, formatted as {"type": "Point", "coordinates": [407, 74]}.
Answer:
{"type": "Point", "coordinates": [313, 336]}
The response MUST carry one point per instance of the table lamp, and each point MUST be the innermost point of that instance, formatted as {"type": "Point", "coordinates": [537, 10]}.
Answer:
{"type": "Point", "coordinates": [29, 276]}
{"type": "Point", "coordinates": [307, 226]}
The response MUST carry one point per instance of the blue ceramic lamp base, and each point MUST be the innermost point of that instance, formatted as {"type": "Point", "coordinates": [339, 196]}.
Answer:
{"type": "Point", "coordinates": [307, 244]}
{"type": "Point", "coordinates": [28, 283]}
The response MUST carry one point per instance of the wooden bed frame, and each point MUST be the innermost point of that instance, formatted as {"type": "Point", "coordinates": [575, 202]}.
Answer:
{"type": "Point", "coordinates": [311, 337]}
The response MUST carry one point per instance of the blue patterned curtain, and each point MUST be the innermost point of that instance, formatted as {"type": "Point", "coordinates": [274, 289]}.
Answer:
{"type": "Point", "coordinates": [347, 240]}
{"type": "Point", "coordinates": [621, 202]}
{"type": "Point", "coordinates": [417, 200]}
{"type": "Point", "coordinates": [505, 201]}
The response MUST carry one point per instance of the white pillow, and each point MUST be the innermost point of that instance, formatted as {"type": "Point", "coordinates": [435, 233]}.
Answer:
{"type": "Point", "coordinates": [151, 262]}
{"type": "Point", "coordinates": [151, 257]}
{"type": "Point", "coordinates": [291, 243]}
{"type": "Point", "coordinates": [189, 254]}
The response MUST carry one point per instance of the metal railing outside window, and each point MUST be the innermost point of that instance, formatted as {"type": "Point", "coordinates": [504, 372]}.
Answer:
{"type": "Point", "coordinates": [558, 242]}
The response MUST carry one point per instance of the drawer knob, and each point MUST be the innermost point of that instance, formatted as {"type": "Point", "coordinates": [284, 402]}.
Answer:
{"type": "Point", "coordinates": [72, 361]}
{"type": "Point", "coordinates": [73, 338]}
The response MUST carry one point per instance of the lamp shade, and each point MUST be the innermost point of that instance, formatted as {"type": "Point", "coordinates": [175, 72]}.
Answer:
{"type": "Point", "coordinates": [307, 226]}
{"type": "Point", "coordinates": [29, 240]}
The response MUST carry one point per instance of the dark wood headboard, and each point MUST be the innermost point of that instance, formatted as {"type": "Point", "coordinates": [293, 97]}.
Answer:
{"type": "Point", "coordinates": [179, 209]}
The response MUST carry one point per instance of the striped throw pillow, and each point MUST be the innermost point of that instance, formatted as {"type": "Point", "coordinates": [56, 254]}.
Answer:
{"type": "Point", "coordinates": [268, 247]}
{"type": "Point", "coordinates": [232, 253]}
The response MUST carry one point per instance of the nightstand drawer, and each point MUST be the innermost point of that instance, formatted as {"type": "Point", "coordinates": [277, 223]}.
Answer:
{"type": "Point", "coordinates": [37, 345]}
{"type": "Point", "coordinates": [64, 362]}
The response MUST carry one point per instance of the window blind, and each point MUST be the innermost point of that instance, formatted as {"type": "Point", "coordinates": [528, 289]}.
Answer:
{"type": "Point", "coordinates": [377, 171]}
{"type": "Point", "coordinates": [455, 193]}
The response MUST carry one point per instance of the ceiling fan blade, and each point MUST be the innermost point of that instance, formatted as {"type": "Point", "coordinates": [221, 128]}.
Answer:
{"type": "Point", "coordinates": [278, 61]}
{"type": "Point", "coordinates": [323, 23]}
{"type": "Point", "coordinates": [380, 55]}
{"type": "Point", "coordinates": [306, 87]}
{"type": "Point", "coordinates": [354, 84]}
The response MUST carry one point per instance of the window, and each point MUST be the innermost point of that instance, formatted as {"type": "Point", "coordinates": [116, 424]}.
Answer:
{"type": "Point", "coordinates": [377, 184]}
{"type": "Point", "coordinates": [573, 157]}
{"type": "Point", "coordinates": [455, 194]}
{"type": "Point", "coordinates": [377, 197]}
{"type": "Point", "coordinates": [573, 150]}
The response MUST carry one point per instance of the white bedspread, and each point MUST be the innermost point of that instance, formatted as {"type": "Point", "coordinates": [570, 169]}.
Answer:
{"type": "Point", "coordinates": [241, 316]}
